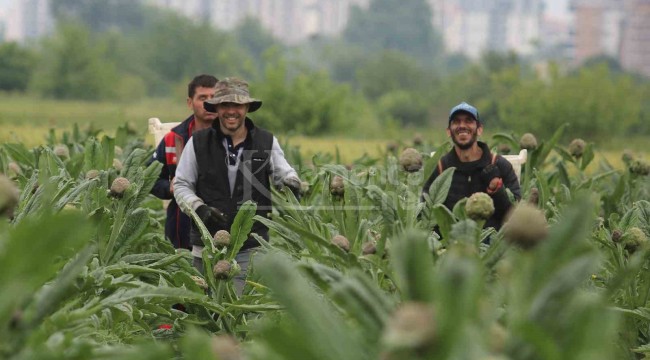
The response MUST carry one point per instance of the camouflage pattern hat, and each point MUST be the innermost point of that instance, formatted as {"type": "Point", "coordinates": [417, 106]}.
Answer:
{"type": "Point", "coordinates": [232, 90]}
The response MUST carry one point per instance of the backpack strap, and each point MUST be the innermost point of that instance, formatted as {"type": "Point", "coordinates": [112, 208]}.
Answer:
{"type": "Point", "coordinates": [440, 167]}
{"type": "Point", "coordinates": [494, 158]}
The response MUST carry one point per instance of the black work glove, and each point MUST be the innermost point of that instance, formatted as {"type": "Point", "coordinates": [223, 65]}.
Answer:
{"type": "Point", "coordinates": [293, 184]}
{"type": "Point", "coordinates": [490, 173]}
{"type": "Point", "coordinates": [212, 217]}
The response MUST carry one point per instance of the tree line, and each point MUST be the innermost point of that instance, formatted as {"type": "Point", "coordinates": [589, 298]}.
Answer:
{"type": "Point", "coordinates": [387, 70]}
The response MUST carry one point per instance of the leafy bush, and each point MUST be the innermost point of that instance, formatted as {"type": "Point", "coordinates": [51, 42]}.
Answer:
{"type": "Point", "coordinates": [100, 280]}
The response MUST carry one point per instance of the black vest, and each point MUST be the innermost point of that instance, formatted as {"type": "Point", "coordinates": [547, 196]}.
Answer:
{"type": "Point", "coordinates": [253, 177]}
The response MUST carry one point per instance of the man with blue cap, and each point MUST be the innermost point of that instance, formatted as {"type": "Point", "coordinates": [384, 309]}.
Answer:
{"type": "Point", "coordinates": [477, 169]}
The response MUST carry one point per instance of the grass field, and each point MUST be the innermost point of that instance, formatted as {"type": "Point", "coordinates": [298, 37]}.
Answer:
{"type": "Point", "coordinates": [29, 120]}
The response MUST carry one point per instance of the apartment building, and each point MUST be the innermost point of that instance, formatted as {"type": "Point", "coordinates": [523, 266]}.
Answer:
{"type": "Point", "coordinates": [635, 37]}
{"type": "Point", "coordinates": [26, 20]}
{"type": "Point", "coordinates": [475, 26]}
{"type": "Point", "coordinates": [615, 28]}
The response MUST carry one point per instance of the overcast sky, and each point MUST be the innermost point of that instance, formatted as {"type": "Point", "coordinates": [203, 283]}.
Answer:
{"type": "Point", "coordinates": [556, 8]}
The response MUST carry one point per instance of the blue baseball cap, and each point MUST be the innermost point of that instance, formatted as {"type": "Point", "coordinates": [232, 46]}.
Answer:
{"type": "Point", "coordinates": [465, 107]}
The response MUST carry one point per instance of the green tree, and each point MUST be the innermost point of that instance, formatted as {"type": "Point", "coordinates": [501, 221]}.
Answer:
{"type": "Point", "coordinates": [595, 103]}
{"type": "Point", "coordinates": [101, 15]}
{"type": "Point", "coordinates": [404, 108]}
{"type": "Point", "coordinates": [344, 61]}
{"type": "Point", "coordinates": [308, 103]}
{"type": "Point", "coordinates": [399, 25]}
{"type": "Point", "coordinates": [176, 48]}
{"type": "Point", "coordinates": [72, 66]}
{"type": "Point", "coordinates": [252, 37]}
{"type": "Point", "coordinates": [16, 66]}
{"type": "Point", "coordinates": [495, 62]}
{"type": "Point", "coordinates": [392, 70]}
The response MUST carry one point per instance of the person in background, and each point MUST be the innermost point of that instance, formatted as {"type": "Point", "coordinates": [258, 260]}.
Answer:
{"type": "Point", "coordinates": [177, 224]}
{"type": "Point", "coordinates": [232, 162]}
{"type": "Point", "coordinates": [477, 169]}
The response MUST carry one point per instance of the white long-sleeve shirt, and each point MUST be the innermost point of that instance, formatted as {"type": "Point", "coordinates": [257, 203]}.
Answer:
{"type": "Point", "coordinates": [187, 172]}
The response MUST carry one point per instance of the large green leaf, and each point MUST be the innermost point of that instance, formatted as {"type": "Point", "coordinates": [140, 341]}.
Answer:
{"type": "Point", "coordinates": [316, 328]}
{"type": "Point", "coordinates": [94, 157]}
{"type": "Point", "coordinates": [241, 227]}
{"type": "Point", "coordinates": [30, 255]}
{"type": "Point", "coordinates": [413, 266]}
{"type": "Point", "coordinates": [440, 187]}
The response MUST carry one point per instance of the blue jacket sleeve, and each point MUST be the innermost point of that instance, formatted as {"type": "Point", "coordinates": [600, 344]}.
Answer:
{"type": "Point", "coordinates": [161, 187]}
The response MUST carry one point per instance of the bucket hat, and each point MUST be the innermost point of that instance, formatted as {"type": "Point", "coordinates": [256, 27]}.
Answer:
{"type": "Point", "coordinates": [232, 90]}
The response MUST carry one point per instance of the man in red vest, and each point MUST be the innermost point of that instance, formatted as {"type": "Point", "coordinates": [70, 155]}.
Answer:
{"type": "Point", "coordinates": [168, 152]}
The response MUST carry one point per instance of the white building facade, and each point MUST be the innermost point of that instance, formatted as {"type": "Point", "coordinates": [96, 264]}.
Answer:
{"type": "Point", "coordinates": [472, 27]}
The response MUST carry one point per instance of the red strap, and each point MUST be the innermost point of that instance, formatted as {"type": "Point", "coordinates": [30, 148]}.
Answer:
{"type": "Point", "coordinates": [190, 128]}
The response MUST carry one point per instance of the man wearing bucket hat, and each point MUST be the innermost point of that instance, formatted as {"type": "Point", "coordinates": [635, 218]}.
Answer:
{"type": "Point", "coordinates": [228, 164]}
{"type": "Point", "coordinates": [477, 169]}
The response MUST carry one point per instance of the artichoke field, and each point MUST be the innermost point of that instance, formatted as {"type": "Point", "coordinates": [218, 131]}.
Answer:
{"type": "Point", "coordinates": [353, 270]}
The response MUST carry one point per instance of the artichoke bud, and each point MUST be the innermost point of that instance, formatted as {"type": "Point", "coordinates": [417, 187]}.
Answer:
{"type": "Point", "coordinates": [479, 206]}
{"type": "Point", "coordinates": [417, 140]}
{"type": "Point", "coordinates": [92, 174]}
{"type": "Point", "coordinates": [14, 169]}
{"type": "Point", "coordinates": [526, 226]}
{"type": "Point", "coordinates": [200, 282]}
{"type": "Point", "coordinates": [627, 156]}
{"type": "Point", "coordinates": [222, 238]}
{"type": "Point", "coordinates": [337, 186]}
{"type": "Point", "coordinates": [503, 149]}
{"type": "Point", "coordinates": [62, 151]}
{"type": "Point", "coordinates": [498, 338]}
{"type": "Point", "coordinates": [342, 242]}
{"type": "Point", "coordinates": [392, 147]}
{"type": "Point", "coordinates": [410, 160]}
{"type": "Point", "coordinates": [221, 269]}
{"type": "Point", "coordinates": [577, 147]}
{"type": "Point", "coordinates": [131, 129]}
{"type": "Point", "coordinates": [639, 167]}
{"type": "Point", "coordinates": [9, 197]}
{"type": "Point", "coordinates": [117, 164]}
{"type": "Point", "coordinates": [226, 347]}
{"type": "Point", "coordinates": [528, 141]}
{"type": "Point", "coordinates": [119, 187]}
{"type": "Point", "coordinates": [634, 238]}
{"type": "Point", "coordinates": [369, 248]}
{"type": "Point", "coordinates": [374, 235]}
{"type": "Point", "coordinates": [411, 326]}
